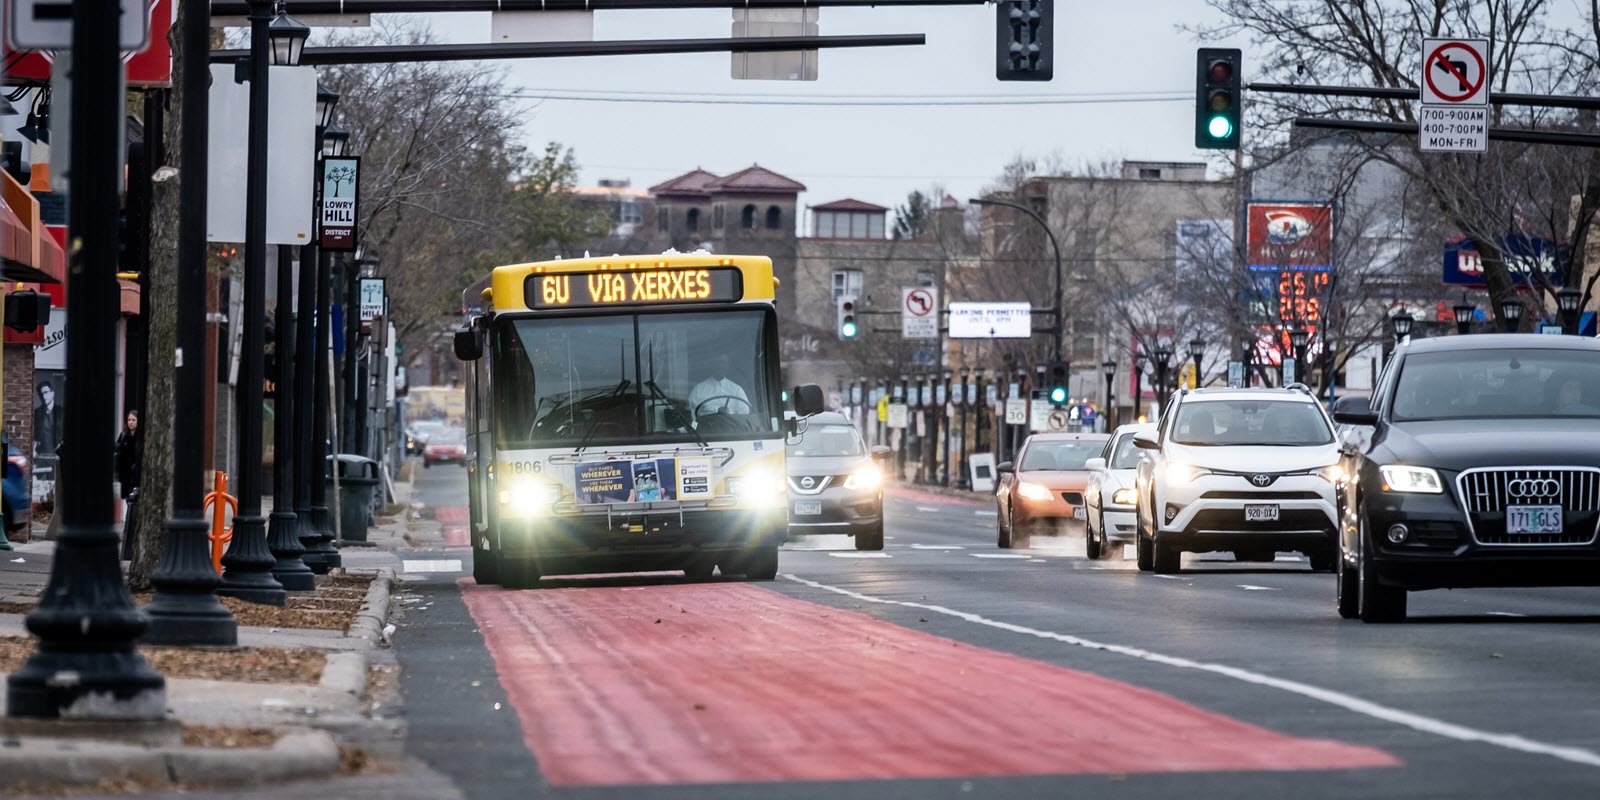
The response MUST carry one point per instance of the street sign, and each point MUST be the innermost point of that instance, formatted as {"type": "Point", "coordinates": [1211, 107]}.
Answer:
{"type": "Point", "coordinates": [897, 415]}
{"type": "Point", "coordinates": [1235, 374]}
{"type": "Point", "coordinates": [1454, 117]}
{"type": "Point", "coordinates": [991, 321]}
{"type": "Point", "coordinates": [883, 408]}
{"type": "Point", "coordinates": [919, 313]}
{"type": "Point", "coordinates": [1040, 416]}
{"type": "Point", "coordinates": [1016, 411]}
{"type": "Point", "coordinates": [47, 25]}
{"type": "Point", "coordinates": [1059, 419]}
{"type": "Point", "coordinates": [1289, 372]}
{"type": "Point", "coordinates": [372, 296]}
{"type": "Point", "coordinates": [341, 183]}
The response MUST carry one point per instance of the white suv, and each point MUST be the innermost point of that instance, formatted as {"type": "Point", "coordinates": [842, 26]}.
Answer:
{"type": "Point", "coordinates": [1250, 471]}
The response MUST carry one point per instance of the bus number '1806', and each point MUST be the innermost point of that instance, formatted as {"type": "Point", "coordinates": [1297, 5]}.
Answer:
{"type": "Point", "coordinates": [524, 467]}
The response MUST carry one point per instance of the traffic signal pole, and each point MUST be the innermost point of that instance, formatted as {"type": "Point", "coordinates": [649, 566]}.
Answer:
{"type": "Point", "coordinates": [1056, 329]}
{"type": "Point", "coordinates": [416, 53]}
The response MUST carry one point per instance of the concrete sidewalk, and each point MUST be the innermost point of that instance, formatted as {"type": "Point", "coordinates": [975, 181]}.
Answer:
{"type": "Point", "coordinates": [313, 719]}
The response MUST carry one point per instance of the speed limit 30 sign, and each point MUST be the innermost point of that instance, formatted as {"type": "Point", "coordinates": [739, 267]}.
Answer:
{"type": "Point", "coordinates": [1455, 96]}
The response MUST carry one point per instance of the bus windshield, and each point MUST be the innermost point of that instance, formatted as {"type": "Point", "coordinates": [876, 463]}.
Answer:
{"type": "Point", "coordinates": [633, 378]}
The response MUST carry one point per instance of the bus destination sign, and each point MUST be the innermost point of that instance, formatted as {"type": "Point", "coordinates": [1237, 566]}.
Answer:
{"type": "Point", "coordinates": [634, 287]}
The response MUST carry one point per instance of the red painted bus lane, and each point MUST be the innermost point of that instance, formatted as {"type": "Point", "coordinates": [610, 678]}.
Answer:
{"type": "Point", "coordinates": [715, 683]}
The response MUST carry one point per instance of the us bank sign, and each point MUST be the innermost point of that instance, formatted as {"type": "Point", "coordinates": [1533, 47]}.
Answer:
{"type": "Point", "coordinates": [341, 182]}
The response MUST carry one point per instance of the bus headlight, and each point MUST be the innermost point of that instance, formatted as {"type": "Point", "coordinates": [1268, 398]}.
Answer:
{"type": "Point", "coordinates": [868, 477]}
{"type": "Point", "coordinates": [758, 489]}
{"type": "Point", "coordinates": [529, 498]}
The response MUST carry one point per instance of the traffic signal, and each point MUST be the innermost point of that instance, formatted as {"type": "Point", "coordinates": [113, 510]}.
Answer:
{"type": "Point", "coordinates": [1056, 382]}
{"type": "Point", "coordinates": [1023, 40]}
{"type": "Point", "coordinates": [27, 310]}
{"type": "Point", "coordinates": [847, 318]}
{"type": "Point", "coordinates": [1217, 99]}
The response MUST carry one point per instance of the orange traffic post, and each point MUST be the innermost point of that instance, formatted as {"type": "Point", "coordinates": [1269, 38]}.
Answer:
{"type": "Point", "coordinates": [218, 500]}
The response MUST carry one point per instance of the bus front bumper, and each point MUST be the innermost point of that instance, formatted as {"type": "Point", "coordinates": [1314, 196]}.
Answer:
{"type": "Point", "coordinates": [583, 543]}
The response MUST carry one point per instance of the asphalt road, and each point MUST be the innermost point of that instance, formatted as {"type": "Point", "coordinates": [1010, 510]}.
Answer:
{"type": "Point", "coordinates": [943, 667]}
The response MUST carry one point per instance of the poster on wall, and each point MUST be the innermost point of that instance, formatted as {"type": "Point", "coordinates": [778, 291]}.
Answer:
{"type": "Point", "coordinates": [48, 426]}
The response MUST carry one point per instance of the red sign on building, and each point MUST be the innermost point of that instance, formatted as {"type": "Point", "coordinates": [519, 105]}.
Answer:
{"type": "Point", "coordinates": [151, 66]}
{"type": "Point", "coordinates": [1289, 236]}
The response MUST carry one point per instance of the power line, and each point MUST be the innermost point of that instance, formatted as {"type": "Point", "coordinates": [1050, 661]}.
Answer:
{"type": "Point", "coordinates": [1041, 100]}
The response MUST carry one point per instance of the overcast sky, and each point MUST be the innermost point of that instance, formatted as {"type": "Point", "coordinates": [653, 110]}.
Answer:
{"type": "Point", "coordinates": [876, 153]}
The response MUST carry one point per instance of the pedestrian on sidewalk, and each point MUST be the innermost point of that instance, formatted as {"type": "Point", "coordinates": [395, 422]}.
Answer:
{"type": "Point", "coordinates": [129, 453]}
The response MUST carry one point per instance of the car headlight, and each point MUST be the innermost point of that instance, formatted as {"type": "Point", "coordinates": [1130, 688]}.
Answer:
{"type": "Point", "coordinates": [1333, 473]}
{"type": "Point", "coordinates": [868, 477]}
{"type": "Point", "coordinates": [529, 498]}
{"type": "Point", "coordinates": [758, 489]}
{"type": "Point", "coordinates": [1124, 497]}
{"type": "Point", "coordinates": [1415, 480]}
{"type": "Point", "coordinates": [1184, 473]}
{"type": "Point", "coordinates": [1033, 491]}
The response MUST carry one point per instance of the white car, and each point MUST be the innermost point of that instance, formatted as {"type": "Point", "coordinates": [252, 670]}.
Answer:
{"type": "Point", "coordinates": [1110, 497]}
{"type": "Point", "coordinates": [1251, 471]}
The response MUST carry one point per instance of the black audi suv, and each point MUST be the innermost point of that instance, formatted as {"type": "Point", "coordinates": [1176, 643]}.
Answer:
{"type": "Point", "coordinates": [1475, 462]}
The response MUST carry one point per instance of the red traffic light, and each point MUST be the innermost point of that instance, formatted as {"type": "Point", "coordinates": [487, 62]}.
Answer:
{"type": "Point", "coordinates": [1221, 71]}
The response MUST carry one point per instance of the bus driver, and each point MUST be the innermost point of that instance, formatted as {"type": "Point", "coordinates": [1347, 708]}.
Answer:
{"type": "Point", "coordinates": [717, 394]}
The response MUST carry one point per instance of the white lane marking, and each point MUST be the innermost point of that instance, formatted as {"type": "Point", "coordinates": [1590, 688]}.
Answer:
{"type": "Point", "coordinates": [1504, 614]}
{"type": "Point", "coordinates": [998, 555]}
{"type": "Point", "coordinates": [1250, 587]}
{"type": "Point", "coordinates": [1037, 561]}
{"type": "Point", "coordinates": [1358, 705]}
{"type": "Point", "coordinates": [863, 554]}
{"type": "Point", "coordinates": [980, 512]}
{"type": "Point", "coordinates": [938, 547]}
{"type": "Point", "coordinates": [444, 565]}
{"type": "Point", "coordinates": [1170, 577]}
{"type": "Point", "coordinates": [929, 509]}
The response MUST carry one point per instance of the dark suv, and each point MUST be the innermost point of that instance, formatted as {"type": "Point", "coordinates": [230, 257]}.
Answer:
{"type": "Point", "coordinates": [1475, 462]}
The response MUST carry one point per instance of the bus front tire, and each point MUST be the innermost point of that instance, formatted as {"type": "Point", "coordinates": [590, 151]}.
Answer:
{"type": "Point", "coordinates": [485, 566]}
{"type": "Point", "coordinates": [762, 565]}
{"type": "Point", "coordinates": [519, 573]}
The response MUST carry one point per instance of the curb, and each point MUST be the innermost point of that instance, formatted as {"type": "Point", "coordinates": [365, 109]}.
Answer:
{"type": "Point", "coordinates": [40, 765]}
{"type": "Point", "coordinates": [345, 672]}
{"type": "Point", "coordinates": [374, 613]}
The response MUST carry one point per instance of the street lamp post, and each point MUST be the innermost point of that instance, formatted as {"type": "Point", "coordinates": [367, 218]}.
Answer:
{"type": "Point", "coordinates": [185, 609]}
{"type": "Point", "coordinates": [979, 423]}
{"type": "Point", "coordinates": [249, 566]}
{"type": "Point", "coordinates": [308, 460]}
{"type": "Point", "coordinates": [1567, 302]}
{"type": "Point", "coordinates": [85, 665]}
{"type": "Point", "coordinates": [1511, 313]}
{"type": "Point", "coordinates": [1197, 352]}
{"type": "Point", "coordinates": [961, 480]}
{"type": "Point", "coordinates": [944, 416]}
{"type": "Point", "coordinates": [1109, 367]}
{"type": "Point", "coordinates": [1463, 311]}
{"type": "Point", "coordinates": [1297, 339]}
{"type": "Point", "coordinates": [1163, 356]}
{"type": "Point", "coordinates": [1402, 326]}
{"type": "Point", "coordinates": [1138, 382]}
{"type": "Point", "coordinates": [1054, 246]}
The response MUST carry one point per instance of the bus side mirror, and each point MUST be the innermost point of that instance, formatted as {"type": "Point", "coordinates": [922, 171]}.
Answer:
{"type": "Point", "coordinates": [468, 345]}
{"type": "Point", "coordinates": [808, 399]}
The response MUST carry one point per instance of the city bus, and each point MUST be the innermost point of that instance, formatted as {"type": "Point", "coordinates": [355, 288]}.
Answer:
{"type": "Point", "coordinates": [624, 414]}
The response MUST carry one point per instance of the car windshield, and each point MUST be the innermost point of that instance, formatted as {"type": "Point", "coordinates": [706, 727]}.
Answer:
{"type": "Point", "coordinates": [1070, 454]}
{"type": "Point", "coordinates": [1126, 454]}
{"type": "Point", "coordinates": [827, 440]}
{"type": "Point", "coordinates": [1498, 384]}
{"type": "Point", "coordinates": [1251, 423]}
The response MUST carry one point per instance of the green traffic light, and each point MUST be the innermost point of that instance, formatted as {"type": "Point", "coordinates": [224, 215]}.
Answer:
{"type": "Point", "coordinates": [848, 329]}
{"type": "Point", "coordinates": [1058, 395]}
{"type": "Point", "coordinates": [1219, 127]}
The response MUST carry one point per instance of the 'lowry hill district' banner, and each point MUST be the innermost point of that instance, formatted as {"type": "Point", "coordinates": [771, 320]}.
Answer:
{"type": "Point", "coordinates": [341, 181]}
{"type": "Point", "coordinates": [650, 481]}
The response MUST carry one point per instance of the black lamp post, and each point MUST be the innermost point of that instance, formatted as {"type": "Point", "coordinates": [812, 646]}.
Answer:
{"type": "Point", "coordinates": [1109, 367]}
{"type": "Point", "coordinates": [1511, 313]}
{"type": "Point", "coordinates": [1163, 354]}
{"type": "Point", "coordinates": [979, 421]}
{"type": "Point", "coordinates": [1463, 311]}
{"type": "Point", "coordinates": [85, 665]}
{"type": "Point", "coordinates": [1138, 382]}
{"type": "Point", "coordinates": [1197, 352]}
{"type": "Point", "coordinates": [335, 140]}
{"type": "Point", "coordinates": [1247, 355]}
{"type": "Point", "coordinates": [1297, 340]}
{"type": "Point", "coordinates": [310, 496]}
{"type": "Point", "coordinates": [185, 610]}
{"type": "Point", "coordinates": [1567, 302]}
{"type": "Point", "coordinates": [1402, 326]}
{"type": "Point", "coordinates": [961, 402]}
{"type": "Point", "coordinates": [943, 415]}
{"type": "Point", "coordinates": [250, 566]}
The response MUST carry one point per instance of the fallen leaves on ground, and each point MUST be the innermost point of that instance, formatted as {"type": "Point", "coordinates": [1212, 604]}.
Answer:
{"type": "Point", "coordinates": [224, 736]}
{"type": "Point", "coordinates": [9, 607]}
{"type": "Point", "coordinates": [245, 664]}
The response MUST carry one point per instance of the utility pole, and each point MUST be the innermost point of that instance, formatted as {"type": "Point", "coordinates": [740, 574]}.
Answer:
{"type": "Point", "coordinates": [85, 665]}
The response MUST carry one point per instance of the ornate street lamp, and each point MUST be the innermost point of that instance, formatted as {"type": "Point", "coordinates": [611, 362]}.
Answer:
{"type": "Point", "coordinates": [1197, 352]}
{"type": "Point", "coordinates": [1109, 367]}
{"type": "Point", "coordinates": [1138, 382]}
{"type": "Point", "coordinates": [1163, 354]}
{"type": "Point", "coordinates": [327, 99]}
{"type": "Point", "coordinates": [335, 140]}
{"type": "Point", "coordinates": [1402, 325]}
{"type": "Point", "coordinates": [288, 40]}
{"type": "Point", "coordinates": [1298, 339]}
{"type": "Point", "coordinates": [1510, 313]}
{"type": "Point", "coordinates": [1567, 302]}
{"type": "Point", "coordinates": [1464, 312]}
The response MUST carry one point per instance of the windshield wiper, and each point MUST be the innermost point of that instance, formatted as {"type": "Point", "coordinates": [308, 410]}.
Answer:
{"type": "Point", "coordinates": [658, 394]}
{"type": "Point", "coordinates": [594, 422]}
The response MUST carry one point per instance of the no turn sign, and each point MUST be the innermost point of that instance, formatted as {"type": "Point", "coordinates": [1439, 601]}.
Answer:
{"type": "Point", "coordinates": [1455, 96]}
